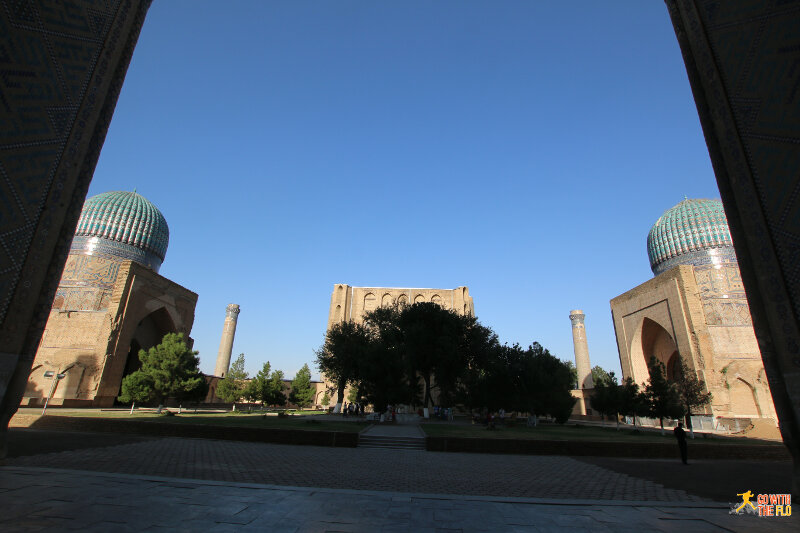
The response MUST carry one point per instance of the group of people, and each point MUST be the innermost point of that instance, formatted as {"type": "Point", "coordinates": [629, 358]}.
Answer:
{"type": "Point", "coordinates": [353, 409]}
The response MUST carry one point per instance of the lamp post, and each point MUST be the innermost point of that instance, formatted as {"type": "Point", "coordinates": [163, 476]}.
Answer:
{"type": "Point", "coordinates": [56, 379]}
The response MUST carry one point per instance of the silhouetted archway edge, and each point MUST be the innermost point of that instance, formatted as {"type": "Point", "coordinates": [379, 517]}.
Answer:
{"type": "Point", "coordinates": [743, 144]}
{"type": "Point", "coordinates": [43, 235]}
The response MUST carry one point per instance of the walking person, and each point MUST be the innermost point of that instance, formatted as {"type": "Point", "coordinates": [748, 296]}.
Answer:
{"type": "Point", "coordinates": [680, 434]}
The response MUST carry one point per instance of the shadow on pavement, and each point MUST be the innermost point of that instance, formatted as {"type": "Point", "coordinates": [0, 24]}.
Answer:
{"type": "Point", "coordinates": [719, 480]}
{"type": "Point", "coordinates": [22, 442]}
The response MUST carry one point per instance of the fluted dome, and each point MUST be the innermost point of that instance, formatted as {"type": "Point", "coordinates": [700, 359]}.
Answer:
{"type": "Point", "coordinates": [125, 225]}
{"type": "Point", "coordinates": [694, 232]}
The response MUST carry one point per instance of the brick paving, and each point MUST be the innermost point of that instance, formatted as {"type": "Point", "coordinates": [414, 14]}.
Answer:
{"type": "Point", "coordinates": [34, 499]}
{"type": "Point", "coordinates": [362, 469]}
{"type": "Point", "coordinates": [173, 484]}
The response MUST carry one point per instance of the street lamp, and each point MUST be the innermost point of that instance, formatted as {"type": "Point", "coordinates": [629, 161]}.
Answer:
{"type": "Point", "coordinates": [56, 379]}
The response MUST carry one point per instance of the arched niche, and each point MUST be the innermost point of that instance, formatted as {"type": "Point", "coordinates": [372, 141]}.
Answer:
{"type": "Point", "coordinates": [370, 302]}
{"type": "Point", "coordinates": [386, 300]}
{"type": "Point", "coordinates": [744, 401]}
{"type": "Point", "coordinates": [436, 299]}
{"type": "Point", "coordinates": [149, 332]}
{"type": "Point", "coordinates": [419, 298]}
{"type": "Point", "coordinates": [650, 339]}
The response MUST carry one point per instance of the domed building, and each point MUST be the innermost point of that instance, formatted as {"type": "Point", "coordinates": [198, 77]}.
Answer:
{"type": "Point", "coordinates": [695, 308]}
{"type": "Point", "coordinates": [110, 303]}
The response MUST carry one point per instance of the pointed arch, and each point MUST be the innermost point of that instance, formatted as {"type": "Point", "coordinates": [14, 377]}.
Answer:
{"type": "Point", "coordinates": [650, 339]}
{"type": "Point", "coordinates": [370, 302]}
{"type": "Point", "coordinates": [387, 300]}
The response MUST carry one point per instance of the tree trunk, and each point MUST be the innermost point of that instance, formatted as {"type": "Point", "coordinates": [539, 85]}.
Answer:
{"type": "Point", "coordinates": [689, 420]}
{"type": "Point", "coordinates": [133, 404]}
{"type": "Point", "coordinates": [617, 417]}
{"type": "Point", "coordinates": [428, 401]}
{"type": "Point", "coordinates": [340, 396]}
{"type": "Point", "coordinates": [662, 425]}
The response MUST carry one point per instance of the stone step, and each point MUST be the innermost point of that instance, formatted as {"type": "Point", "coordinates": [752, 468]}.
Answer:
{"type": "Point", "coordinates": [380, 441]}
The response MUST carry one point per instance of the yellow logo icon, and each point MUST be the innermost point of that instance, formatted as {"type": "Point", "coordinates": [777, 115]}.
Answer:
{"type": "Point", "coordinates": [746, 501]}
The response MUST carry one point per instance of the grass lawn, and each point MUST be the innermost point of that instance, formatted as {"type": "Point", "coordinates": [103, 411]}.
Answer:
{"type": "Point", "coordinates": [225, 419]}
{"type": "Point", "coordinates": [573, 432]}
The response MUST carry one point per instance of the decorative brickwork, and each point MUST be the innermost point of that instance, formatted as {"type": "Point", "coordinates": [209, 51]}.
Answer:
{"type": "Point", "coordinates": [351, 303]}
{"type": "Point", "coordinates": [64, 64]}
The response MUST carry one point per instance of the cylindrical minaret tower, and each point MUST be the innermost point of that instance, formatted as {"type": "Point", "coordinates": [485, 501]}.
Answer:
{"type": "Point", "coordinates": [226, 343]}
{"type": "Point", "coordinates": [581, 350]}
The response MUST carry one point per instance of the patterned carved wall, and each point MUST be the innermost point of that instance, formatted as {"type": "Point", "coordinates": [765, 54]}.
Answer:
{"type": "Point", "coordinates": [743, 63]}
{"type": "Point", "coordinates": [722, 294]}
{"type": "Point", "coordinates": [54, 48]}
{"type": "Point", "coordinates": [62, 64]}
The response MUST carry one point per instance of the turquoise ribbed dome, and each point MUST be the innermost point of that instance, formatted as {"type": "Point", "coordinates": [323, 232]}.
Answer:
{"type": "Point", "coordinates": [690, 233]}
{"type": "Point", "coordinates": [129, 221]}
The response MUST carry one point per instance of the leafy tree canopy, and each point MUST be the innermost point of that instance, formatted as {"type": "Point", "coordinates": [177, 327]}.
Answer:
{"type": "Point", "coordinates": [232, 388]}
{"type": "Point", "coordinates": [662, 395]}
{"type": "Point", "coordinates": [598, 373]}
{"type": "Point", "coordinates": [346, 344]}
{"type": "Point", "coordinates": [169, 370]}
{"type": "Point", "coordinates": [275, 390]}
{"type": "Point", "coordinates": [691, 390]}
{"type": "Point", "coordinates": [302, 391]}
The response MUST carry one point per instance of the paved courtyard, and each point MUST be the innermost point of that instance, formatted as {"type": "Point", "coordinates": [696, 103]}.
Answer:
{"type": "Point", "coordinates": [136, 484]}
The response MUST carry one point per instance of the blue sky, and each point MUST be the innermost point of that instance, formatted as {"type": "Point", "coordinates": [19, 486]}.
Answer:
{"type": "Point", "coordinates": [523, 149]}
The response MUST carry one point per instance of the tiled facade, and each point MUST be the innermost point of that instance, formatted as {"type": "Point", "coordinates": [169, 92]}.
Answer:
{"type": "Point", "coordinates": [95, 330]}
{"type": "Point", "coordinates": [108, 304]}
{"type": "Point", "coordinates": [696, 310]}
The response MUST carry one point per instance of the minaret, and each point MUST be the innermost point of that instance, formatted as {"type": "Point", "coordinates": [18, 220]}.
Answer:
{"type": "Point", "coordinates": [581, 350]}
{"type": "Point", "coordinates": [226, 344]}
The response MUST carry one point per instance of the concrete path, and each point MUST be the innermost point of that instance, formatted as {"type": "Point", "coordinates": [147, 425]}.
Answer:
{"type": "Point", "coordinates": [160, 484]}
{"type": "Point", "coordinates": [35, 499]}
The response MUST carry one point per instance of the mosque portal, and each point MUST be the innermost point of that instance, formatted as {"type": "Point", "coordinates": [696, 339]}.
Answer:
{"type": "Point", "coordinates": [695, 309]}
{"type": "Point", "coordinates": [110, 303]}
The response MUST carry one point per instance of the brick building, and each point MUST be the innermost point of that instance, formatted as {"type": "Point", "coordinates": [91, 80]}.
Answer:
{"type": "Point", "coordinates": [695, 308]}
{"type": "Point", "coordinates": [110, 303]}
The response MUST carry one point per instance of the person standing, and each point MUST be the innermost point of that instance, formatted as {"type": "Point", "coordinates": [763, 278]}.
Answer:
{"type": "Point", "coordinates": [680, 435]}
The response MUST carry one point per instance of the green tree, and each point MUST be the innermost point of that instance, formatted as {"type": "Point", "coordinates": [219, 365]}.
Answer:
{"type": "Point", "coordinates": [353, 395]}
{"type": "Point", "coordinates": [346, 344]}
{"type": "Point", "coordinates": [662, 395]}
{"type": "Point", "coordinates": [136, 388]}
{"type": "Point", "coordinates": [232, 388]}
{"type": "Point", "coordinates": [481, 348]}
{"type": "Point", "coordinates": [607, 397]}
{"type": "Point", "coordinates": [326, 400]}
{"type": "Point", "coordinates": [169, 370]}
{"type": "Point", "coordinates": [302, 392]}
{"type": "Point", "coordinates": [430, 345]}
{"type": "Point", "coordinates": [574, 373]}
{"type": "Point", "coordinates": [257, 390]}
{"type": "Point", "coordinates": [632, 401]}
{"type": "Point", "coordinates": [692, 392]}
{"type": "Point", "coordinates": [275, 394]}
{"type": "Point", "coordinates": [382, 371]}
{"type": "Point", "coordinates": [599, 373]}
{"type": "Point", "coordinates": [543, 383]}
